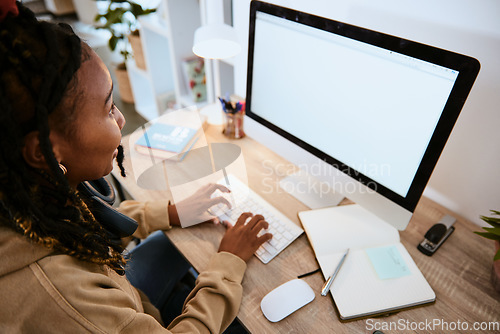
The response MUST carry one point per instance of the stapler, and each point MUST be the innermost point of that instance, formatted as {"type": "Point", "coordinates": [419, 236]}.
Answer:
{"type": "Point", "coordinates": [436, 235]}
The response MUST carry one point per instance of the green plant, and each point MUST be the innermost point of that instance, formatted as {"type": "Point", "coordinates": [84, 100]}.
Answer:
{"type": "Point", "coordinates": [120, 20]}
{"type": "Point", "coordinates": [493, 232]}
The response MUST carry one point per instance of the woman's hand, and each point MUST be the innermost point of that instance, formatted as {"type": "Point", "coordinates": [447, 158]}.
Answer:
{"type": "Point", "coordinates": [193, 210]}
{"type": "Point", "coordinates": [241, 239]}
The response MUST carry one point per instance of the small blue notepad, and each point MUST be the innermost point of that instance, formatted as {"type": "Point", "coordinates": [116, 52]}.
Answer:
{"type": "Point", "coordinates": [388, 262]}
{"type": "Point", "coordinates": [166, 137]}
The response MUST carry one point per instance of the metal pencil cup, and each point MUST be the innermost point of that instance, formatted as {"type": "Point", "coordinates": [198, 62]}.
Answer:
{"type": "Point", "coordinates": [233, 124]}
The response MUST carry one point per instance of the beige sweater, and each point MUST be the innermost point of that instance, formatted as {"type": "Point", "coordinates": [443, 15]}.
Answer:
{"type": "Point", "coordinates": [46, 293]}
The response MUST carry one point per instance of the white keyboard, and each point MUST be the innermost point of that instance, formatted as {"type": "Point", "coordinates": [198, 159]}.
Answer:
{"type": "Point", "coordinates": [244, 199]}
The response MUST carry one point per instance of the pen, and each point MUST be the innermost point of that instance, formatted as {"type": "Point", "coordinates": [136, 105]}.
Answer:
{"type": "Point", "coordinates": [223, 104]}
{"type": "Point", "coordinates": [329, 281]}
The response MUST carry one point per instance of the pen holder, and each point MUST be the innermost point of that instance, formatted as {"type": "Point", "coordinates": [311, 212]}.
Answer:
{"type": "Point", "coordinates": [233, 124]}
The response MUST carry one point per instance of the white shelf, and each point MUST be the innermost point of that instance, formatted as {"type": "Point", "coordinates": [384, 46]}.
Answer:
{"type": "Point", "coordinates": [167, 39]}
{"type": "Point", "coordinates": [154, 23]}
{"type": "Point", "coordinates": [143, 91]}
{"type": "Point", "coordinates": [187, 101]}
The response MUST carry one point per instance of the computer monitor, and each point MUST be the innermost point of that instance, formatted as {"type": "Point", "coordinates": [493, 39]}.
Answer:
{"type": "Point", "coordinates": [371, 111]}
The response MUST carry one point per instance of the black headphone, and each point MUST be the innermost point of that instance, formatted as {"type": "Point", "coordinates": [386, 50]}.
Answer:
{"type": "Point", "coordinates": [102, 197]}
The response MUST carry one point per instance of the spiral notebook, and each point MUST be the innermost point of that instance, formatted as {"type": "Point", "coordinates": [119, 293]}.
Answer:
{"type": "Point", "coordinates": [378, 276]}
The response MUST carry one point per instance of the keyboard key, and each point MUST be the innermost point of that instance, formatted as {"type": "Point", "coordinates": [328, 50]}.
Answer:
{"type": "Point", "coordinates": [287, 235]}
{"type": "Point", "coordinates": [266, 257]}
{"type": "Point", "coordinates": [268, 247]}
{"type": "Point", "coordinates": [274, 242]}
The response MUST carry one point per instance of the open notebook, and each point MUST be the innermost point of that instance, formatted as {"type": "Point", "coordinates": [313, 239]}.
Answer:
{"type": "Point", "coordinates": [378, 276]}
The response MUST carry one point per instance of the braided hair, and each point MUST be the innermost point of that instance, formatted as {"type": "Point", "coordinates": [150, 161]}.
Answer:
{"type": "Point", "coordinates": [38, 62]}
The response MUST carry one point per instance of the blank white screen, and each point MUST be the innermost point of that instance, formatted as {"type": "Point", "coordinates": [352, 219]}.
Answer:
{"type": "Point", "coordinates": [372, 109]}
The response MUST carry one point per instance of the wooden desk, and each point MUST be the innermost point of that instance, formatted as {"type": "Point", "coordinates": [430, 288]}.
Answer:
{"type": "Point", "coordinates": [459, 272]}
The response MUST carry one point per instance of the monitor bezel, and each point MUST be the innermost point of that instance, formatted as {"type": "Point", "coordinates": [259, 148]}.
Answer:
{"type": "Point", "coordinates": [467, 67]}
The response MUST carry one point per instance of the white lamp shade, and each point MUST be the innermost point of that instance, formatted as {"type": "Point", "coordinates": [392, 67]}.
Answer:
{"type": "Point", "coordinates": [216, 41]}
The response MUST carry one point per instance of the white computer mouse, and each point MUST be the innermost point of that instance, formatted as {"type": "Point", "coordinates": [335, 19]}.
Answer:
{"type": "Point", "coordinates": [286, 299]}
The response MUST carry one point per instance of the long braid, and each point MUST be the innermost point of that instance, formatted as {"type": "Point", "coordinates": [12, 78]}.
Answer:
{"type": "Point", "coordinates": [38, 62]}
{"type": "Point", "coordinates": [50, 94]}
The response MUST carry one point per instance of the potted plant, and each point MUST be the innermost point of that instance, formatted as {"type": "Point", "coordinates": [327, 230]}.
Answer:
{"type": "Point", "coordinates": [120, 19]}
{"type": "Point", "coordinates": [493, 233]}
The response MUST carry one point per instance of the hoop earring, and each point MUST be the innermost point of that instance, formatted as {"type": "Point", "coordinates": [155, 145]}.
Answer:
{"type": "Point", "coordinates": [63, 169]}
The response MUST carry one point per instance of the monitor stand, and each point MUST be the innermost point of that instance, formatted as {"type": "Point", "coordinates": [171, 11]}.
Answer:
{"type": "Point", "coordinates": [310, 191]}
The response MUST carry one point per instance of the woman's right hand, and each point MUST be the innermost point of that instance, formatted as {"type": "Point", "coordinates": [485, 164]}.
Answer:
{"type": "Point", "coordinates": [241, 239]}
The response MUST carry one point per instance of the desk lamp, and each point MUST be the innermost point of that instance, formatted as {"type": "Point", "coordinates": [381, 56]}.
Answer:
{"type": "Point", "coordinates": [214, 40]}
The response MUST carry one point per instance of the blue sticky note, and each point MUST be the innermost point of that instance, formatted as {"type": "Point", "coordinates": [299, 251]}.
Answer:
{"type": "Point", "coordinates": [388, 262]}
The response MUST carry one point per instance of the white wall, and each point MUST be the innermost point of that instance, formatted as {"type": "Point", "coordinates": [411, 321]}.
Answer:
{"type": "Point", "coordinates": [467, 176]}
